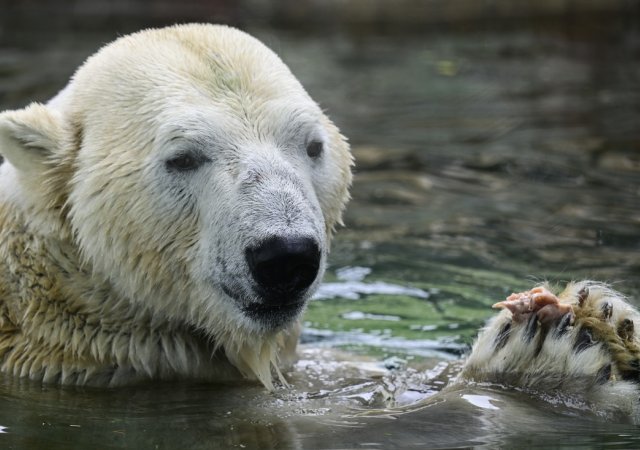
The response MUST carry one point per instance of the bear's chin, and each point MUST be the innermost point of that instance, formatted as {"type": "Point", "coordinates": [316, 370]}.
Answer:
{"type": "Point", "coordinates": [267, 314]}
{"type": "Point", "coordinates": [274, 317]}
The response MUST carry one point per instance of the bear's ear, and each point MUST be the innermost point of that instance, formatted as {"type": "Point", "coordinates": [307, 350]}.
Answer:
{"type": "Point", "coordinates": [29, 136]}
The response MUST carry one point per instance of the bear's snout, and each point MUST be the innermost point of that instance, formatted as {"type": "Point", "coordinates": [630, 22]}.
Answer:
{"type": "Point", "coordinates": [284, 267]}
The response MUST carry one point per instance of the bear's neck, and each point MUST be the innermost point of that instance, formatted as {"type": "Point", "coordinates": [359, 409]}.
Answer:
{"type": "Point", "coordinates": [59, 322]}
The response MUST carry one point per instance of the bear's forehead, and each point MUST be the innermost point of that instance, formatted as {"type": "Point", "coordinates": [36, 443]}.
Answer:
{"type": "Point", "coordinates": [196, 80]}
{"type": "Point", "coordinates": [275, 121]}
{"type": "Point", "coordinates": [187, 61]}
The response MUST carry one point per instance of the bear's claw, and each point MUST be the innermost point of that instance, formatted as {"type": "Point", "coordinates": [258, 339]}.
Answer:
{"type": "Point", "coordinates": [625, 329]}
{"type": "Point", "coordinates": [584, 340]}
{"type": "Point", "coordinates": [565, 322]}
{"type": "Point", "coordinates": [607, 309]}
{"type": "Point", "coordinates": [583, 294]}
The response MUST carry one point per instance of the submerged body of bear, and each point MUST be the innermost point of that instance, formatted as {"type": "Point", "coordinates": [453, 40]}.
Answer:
{"type": "Point", "coordinates": [168, 215]}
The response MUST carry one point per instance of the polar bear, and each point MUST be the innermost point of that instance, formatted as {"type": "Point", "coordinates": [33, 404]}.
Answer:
{"type": "Point", "coordinates": [168, 214]}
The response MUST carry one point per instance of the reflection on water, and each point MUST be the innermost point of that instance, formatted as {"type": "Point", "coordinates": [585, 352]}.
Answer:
{"type": "Point", "coordinates": [351, 286]}
{"type": "Point", "coordinates": [485, 161]}
{"type": "Point", "coordinates": [242, 416]}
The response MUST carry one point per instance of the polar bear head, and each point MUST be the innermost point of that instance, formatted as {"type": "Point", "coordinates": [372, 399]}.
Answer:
{"type": "Point", "coordinates": [191, 170]}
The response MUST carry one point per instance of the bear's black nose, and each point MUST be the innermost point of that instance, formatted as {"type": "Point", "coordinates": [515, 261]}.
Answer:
{"type": "Point", "coordinates": [284, 267]}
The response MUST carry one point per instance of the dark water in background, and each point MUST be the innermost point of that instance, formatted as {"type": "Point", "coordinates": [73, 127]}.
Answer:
{"type": "Point", "coordinates": [485, 161]}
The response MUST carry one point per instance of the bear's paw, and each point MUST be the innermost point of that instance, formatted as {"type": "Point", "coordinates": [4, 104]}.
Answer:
{"type": "Point", "coordinates": [583, 340]}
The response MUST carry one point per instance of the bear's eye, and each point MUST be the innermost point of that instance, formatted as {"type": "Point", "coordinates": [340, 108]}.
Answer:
{"type": "Point", "coordinates": [186, 162]}
{"type": "Point", "coordinates": [314, 149]}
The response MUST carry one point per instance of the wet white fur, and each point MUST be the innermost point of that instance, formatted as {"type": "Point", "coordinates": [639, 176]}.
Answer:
{"type": "Point", "coordinates": [145, 251]}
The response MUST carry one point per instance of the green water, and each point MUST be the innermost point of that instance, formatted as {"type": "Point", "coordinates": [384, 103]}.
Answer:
{"type": "Point", "coordinates": [486, 162]}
